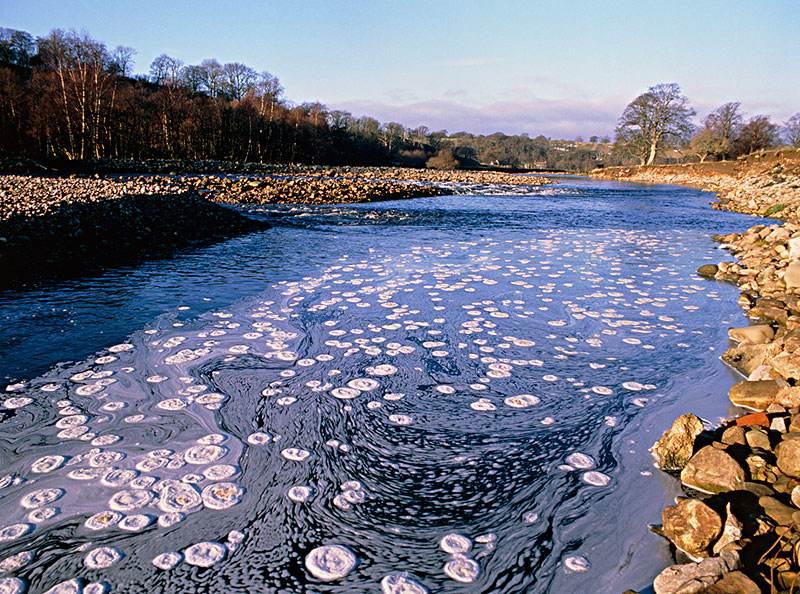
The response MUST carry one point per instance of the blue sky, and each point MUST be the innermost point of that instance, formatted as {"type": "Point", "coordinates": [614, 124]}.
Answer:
{"type": "Point", "coordinates": [560, 68]}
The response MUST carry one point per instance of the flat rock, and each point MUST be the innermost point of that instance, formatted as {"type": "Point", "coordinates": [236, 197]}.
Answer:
{"type": "Point", "coordinates": [746, 358]}
{"type": "Point", "coordinates": [673, 450]}
{"type": "Point", "coordinates": [692, 526]}
{"type": "Point", "coordinates": [692, 578]}
{"type": "Point", "coordinates": [756, 334]}
{"type": "Point", "coordinates": [791, 341]}
{"type": "Point", "coordinates": [794, 247]}
{"type": "Point", "coordinates": [781, 513]}
{"type": "Point", "coordinates": [756, 395]}
{"type": "Point", "coordinates": [753, 419]}
{"type": "Point", "coordinates": [778, 424]}
{"type": "Point", "coordinates": [769, 313]}
{"type": "Point", "coordinates": [791, 277]}
{"type": "Point", "coordinates": [712, 470]}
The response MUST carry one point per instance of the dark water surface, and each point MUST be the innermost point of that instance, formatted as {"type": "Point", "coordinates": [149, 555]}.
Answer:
{"type": "Point", "coordinates": [459, 388]}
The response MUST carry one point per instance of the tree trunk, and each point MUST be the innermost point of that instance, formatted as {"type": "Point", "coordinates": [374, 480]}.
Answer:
{"type": "Point", "coordinates": [652, 157]}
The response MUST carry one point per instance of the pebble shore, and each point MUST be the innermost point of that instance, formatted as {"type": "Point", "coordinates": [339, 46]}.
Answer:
{"type": "Point", "coordinates": [75, 226]}
{"type": "Point", "coordinates": [737, 530]}
{"type": "Point", "coordinates": [51, 223]}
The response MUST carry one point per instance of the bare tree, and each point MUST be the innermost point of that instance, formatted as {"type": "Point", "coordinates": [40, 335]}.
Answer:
{"type": "Point", "coordinates": [392, 135]}
{"type": "Point", "coordinates": [86, 85]}
{"type": "Point", "coordinates": [192, 78]}
{"type": "Point", "coordinates": [654, 120]}
{"type": "Point", "coordinates": [707, 142]}
{"type": "Point", "coordinates": [791, 130]}
{"type": "Point", "coordinates": [238, 79]}
{"type": "Point", "coordinates": [16, 47]}
{"type": "Point", "coordinates": [340, 121]}
{"type": "Point", "coordinates": [166, 70]}
{"type": "Point", "coordinates": [724, 124]}
{"type": "Point", "coordinates": [757, 134]}
{"type": "Point", "coordinates": [212, 77]}
{"type": "Point", "coordinates": [121, 60]}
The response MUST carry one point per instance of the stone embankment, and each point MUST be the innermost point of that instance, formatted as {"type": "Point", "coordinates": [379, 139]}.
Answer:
{"type": "Point", "coordinates": [738, 528]}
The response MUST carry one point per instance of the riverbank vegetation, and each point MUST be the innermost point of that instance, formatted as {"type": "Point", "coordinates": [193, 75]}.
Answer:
{"type": "Point", "coordinates": [659, 123]}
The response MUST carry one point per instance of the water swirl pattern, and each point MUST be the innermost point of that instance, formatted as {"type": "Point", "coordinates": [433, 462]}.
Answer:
{"type": "Point", "coordinates": [438, 395]}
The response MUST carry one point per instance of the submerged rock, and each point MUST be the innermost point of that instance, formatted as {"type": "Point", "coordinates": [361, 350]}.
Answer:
{"type": "Point", "coordinates": [675, 447]}
{"type": "Point", "coordinates": [708, 270]}
{"type": "Point", "coordinates": [712, 470]}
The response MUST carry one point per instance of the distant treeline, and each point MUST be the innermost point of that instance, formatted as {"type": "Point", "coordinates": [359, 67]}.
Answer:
{"type": "Point", "coordinates": [67, 96]}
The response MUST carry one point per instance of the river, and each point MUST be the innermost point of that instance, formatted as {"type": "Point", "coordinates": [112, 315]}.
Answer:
{"type": "Point", "coordinates": [454, 394]}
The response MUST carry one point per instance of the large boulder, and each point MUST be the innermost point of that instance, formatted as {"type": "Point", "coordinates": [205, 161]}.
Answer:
{"type": "Point", "coordinates": [708, 270]}
{"type": "Point", "coordinates": [746, 358]}
{"type": "Point", "coordinates": [757, 395]}
{"type": "Point", "coordinates": [712, 470]}
{"type": "Point", "coordinates": [787, 364]}
{"type": "Point", "coordinates": [791, 276]}
{"type": "Point", "coordinates": [693, 578]}
{"type": "Point", "coordinates": [692, 526]}
{"type": "Point", "coordinates": [788, 397]}
{"type": "Point", "coordinates": [673, 450]}
{"type": "Point", "coordinates": [769, 312]}
{"type": "Point", "coordinates": [756, 334]}
{"type": "Point", "coordinates": [794, 248]}
{"type": "Point", "coordinates": [788, 452]}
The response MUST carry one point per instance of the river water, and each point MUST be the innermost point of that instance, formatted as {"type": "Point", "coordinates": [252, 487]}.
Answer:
{"type": "Point", "coordinates": [452, 394]}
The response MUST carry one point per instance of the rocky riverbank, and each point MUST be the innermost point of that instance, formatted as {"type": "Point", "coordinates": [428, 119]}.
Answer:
{"type": "Point", "coordinates": [738, 528]}
{"type": "Point", "coordinates": [766, 184]}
